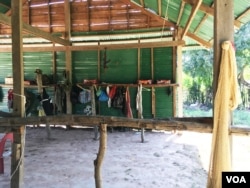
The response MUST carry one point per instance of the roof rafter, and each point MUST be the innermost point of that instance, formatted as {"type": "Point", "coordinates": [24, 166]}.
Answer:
{"type": "Point", "coordinates": [180, 13]}
{"type": "Point", "coordinates": [210, 11]}
{"type": "Point", "coordinates": [247, 11]}
{"type": "Point", "coordinates": [202, 21]}
{"type": "Point", "coordinates": [49, 16]}
{"type": "Point", "coordinates": [159, 7]}
{"type": "Point", "coordinates": [199, 40]}
{"type": "Point", "coordinates": [34, 31]}
{"type": "Point", "coordinates": [88, 14]}
{"type": "Point", "coordinates": [148, 13]}
{"type": "Point", "coordinates": [195, 8]}
{"type": "Point", "coordinates": [67, 18]}
{"type": "Point", "coordinates": [142, 3]}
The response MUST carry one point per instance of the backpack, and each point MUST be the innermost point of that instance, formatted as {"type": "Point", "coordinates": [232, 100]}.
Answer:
{"type": "Point", "coordinates": [119, 98]}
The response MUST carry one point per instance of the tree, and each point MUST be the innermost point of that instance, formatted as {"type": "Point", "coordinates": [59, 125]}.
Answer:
{"type": "Point", "coordinates": [198, 70]}
{"type": "Point", "coordinates": [198, 65]}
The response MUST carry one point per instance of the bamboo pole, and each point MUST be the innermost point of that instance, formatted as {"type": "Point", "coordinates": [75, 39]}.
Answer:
{"type": "Point", "coordinates": [100, 156]}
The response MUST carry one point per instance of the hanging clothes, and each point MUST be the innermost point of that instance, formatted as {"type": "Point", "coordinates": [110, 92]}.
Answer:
{"type": "Point", "coordinates": [84, 96]}
{"type": "Point", "coordinates": [39, 81]}
{"type": "Point", "coordinates": [10, 99]}
{"type": "Point", "coordinates": [129, 112]}
{"type": "Point", "coordinates": [225, 100]}
{"type": "Point", "coordinates": [41, 111]}
{"type": "Point", "coordinates": [111, 93]}
{"type": "Point", "coordinates": [46, 103]}
{"type": "Point", "coordinates": [118, 99]}
{"type": "Point", "coordinates": [59, 97]}
{"type": "Point", "coordinates": [139, 101]}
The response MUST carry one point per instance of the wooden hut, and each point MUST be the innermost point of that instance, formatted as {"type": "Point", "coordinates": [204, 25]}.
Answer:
{"type": "Point", "coordinates": [95, 45]}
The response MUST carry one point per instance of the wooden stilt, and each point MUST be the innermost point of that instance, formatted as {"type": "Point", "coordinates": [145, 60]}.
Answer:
{"type": "Point", "coordinates": [17, 157]}
{"type": "Point", "coordinates": [48, 130]}
{"type": "Point", "coordinates": [98, 161]}
{"type": "Point", "coordinates": [142, 134]}
{"type": "Point", "coordinates": [93, 112]}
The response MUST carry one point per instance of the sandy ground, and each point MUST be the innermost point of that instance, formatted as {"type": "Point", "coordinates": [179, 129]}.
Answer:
{"type": "Point", "coordinates": [163, 160]}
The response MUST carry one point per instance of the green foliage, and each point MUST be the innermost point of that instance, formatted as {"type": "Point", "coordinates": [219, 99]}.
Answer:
{"type": "Point", "coordinates": [242, 44]}
{"type": "Point", "coordinates": [198, 69]}
{"type": "Point", "coordinates": [198, 74]}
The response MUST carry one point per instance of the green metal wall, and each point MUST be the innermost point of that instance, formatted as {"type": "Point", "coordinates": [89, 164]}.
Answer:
{"type": "Point", "coordinates": [60, 66]}
{"type": "Point", "coordinates": [163, 64]}
{"type": "Point", "coordinates": [164, 102]}
{"type": "Point", "coordinates": [145, 64]}
{"type": "Point", "coordinates": [31, 61]}
{"type": "Point", "coordinates": [122, 68]}
{"type": "Point", "coordinates": [5, 66]}
{"type": "Point", "coordinates": [37, 60]}
{"type": "Point", "coordinates": [84, 65]}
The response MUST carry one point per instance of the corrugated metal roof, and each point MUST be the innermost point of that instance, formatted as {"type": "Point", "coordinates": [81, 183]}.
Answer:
{"type": "Point", "coordinates": [131, 20]}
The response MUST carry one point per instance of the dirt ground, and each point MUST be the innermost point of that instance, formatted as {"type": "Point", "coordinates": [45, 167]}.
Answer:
{"type": "Point", "coordinates": [164, 160]}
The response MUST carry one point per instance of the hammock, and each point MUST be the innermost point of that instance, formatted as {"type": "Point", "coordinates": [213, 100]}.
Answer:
{"type": "Point", "coordinates": [225, 100]}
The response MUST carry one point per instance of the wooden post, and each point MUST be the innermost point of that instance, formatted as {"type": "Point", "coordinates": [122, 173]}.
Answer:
{"type": "Point", "coordinates": [98, 161]}
{"type": "Point", "coordinates": [223, 31]}
{"type": "Point", "coordinates": [153, 101]}
{"type": "Point", "coordinates": [93, 112]}
{"type": "Point", "coordinates": [17, 156]}
{"type": "Point", "coordinates": [138, 62]}
{"type": "Point", "coordinates": [179, 77]}
{"type": "Point", "coordinates": [19, 106]}
{"type": "Point", "coordinates": [68, 55]}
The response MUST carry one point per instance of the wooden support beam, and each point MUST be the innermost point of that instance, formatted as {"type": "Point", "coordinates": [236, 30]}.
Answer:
{"type": "Point", "coordinates": [17, 157]}
{"type": "Point", "coordinates": [220, 149]}
{"type": "Point", "coordinates": [191, 124]}
{"type": "Point", "coordinates": [49, 16]}
{"type": "Point", "coordinates": [202, 21]}
{"type": "Point", "coordinates": [199, 40]}
{"type": "Point", "coordinates": [29, 14]}
{"type": "Point", "coordinates": [197, 124]}
{"type": "Point", "coordinates": [99, 63]}
{"type": "Point", "coordinates": [195, 8]}
{"type": "Point", "coordinates": [34, 31]}
{"type": "Point", "coordinates": [139, 62]}
{"type": "Point", "coordinates": [159, 8]}
{"type": "Point", "coordinates": [223, 30]}
{"type": "Point", "coordinates": [68, 53]}
{"type": "Point", "coordinates": [153, 102]}
{"type": "Point", "coordinates": [88, 14]}
{"type": "Point", "coordinates": [127, 16]}
{"type": "Point", "coordinates": [18, 90]}
{"type": "Point", "coordinates": [142, 3]}
{"type": "Point", "coordinates": [101, 46]}
{"type": "Point", "coordinates": [180, 13]}
{"type": "Point", "coordinates": [179, 70]}
{"type": "Point", "coordinates": [110, 18]}
{"type": "Point", "coordinates": [67, 19]}
{"type": "Point", "coordinates": [243, 14]}
{"type": "Point", "coordinates": [210, 11]}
